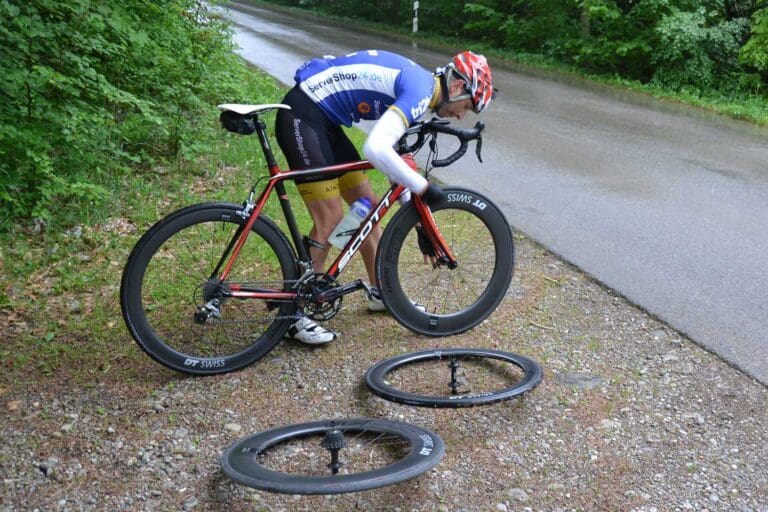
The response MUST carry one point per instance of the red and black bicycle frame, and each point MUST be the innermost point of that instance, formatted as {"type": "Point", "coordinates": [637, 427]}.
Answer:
{"type": "Point", "coordinates": [275, 183]}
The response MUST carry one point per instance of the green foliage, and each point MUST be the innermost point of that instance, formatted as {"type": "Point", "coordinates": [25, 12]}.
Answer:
{"type": "Point", "coordinates": [59, 284]}
{"type": "Point", "coordinates": [755, 52]}
{"type": "Point", "coordinates": [698, 49]}
{"type": "Point", "coordinates": [91, 88]}
{"type": "Point", "coordinates": [681, 57]}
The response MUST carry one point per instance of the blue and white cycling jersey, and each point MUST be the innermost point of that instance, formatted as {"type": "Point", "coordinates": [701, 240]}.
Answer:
{"type": "Point", "coordinates": [363, 85]}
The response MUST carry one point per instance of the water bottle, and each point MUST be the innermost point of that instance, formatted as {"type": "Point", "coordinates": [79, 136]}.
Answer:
{"type": "Point", "coordinates": [351, 221]}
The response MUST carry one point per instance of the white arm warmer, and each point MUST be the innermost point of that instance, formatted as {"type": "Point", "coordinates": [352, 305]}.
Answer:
{"type": "Point", "coordinates": [379, 150]}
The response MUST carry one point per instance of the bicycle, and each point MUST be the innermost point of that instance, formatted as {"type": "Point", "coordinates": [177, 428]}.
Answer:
{"type": "Point", "coordinates": [213, 287]}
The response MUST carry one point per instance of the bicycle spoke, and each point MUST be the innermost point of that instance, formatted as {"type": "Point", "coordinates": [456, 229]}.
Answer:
{"type": "Point", "coordinates": [365, 451]}
{"type": "Point", "coordinates": [443, 290]}
{"type": "Point", "coordinates": [329, 457]}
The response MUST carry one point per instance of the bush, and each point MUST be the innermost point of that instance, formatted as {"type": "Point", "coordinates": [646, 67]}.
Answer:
{"type": "Point", "coordinates": [755, 52]}
{"type": "Point", "coordinates": [91, 88]}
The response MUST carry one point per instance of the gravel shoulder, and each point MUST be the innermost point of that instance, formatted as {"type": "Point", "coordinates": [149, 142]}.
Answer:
{"type": "Point", "coordinates": [630, 416]}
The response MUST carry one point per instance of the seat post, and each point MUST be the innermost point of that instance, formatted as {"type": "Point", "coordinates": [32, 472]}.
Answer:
{"type": "Point", "coordinates": [261, 128]}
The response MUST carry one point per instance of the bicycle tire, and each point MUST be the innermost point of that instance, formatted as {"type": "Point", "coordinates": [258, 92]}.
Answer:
{"type": "Point", "coordinates": [376, 378]}
{"type": "Point", "coordinates": [443, 301]}
{"type": "Point", "coordinates": [248, 460]}
{"type": "Point", "coordinates": [162, 284]}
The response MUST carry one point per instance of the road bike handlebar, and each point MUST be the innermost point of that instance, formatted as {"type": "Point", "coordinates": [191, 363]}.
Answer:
{"type": "Point", "coordinates": [435, 126]}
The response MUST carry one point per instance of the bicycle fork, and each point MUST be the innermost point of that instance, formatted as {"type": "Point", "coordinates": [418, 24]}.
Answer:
{"type": "Point", "coordinates": [443, 254]}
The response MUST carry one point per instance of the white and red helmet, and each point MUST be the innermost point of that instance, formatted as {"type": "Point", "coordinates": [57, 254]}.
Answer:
{"type": "Point", "coordinates": [476, 73]}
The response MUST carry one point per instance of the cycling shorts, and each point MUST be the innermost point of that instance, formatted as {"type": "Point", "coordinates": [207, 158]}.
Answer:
{"type": "Point", "coordinates": [308, 139]}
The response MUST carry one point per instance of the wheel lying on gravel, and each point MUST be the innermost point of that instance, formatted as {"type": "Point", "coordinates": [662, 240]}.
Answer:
{"type": "Point", "coordinates": [332, 457]}
{"type": "Point", "coordinates": [453, 377]}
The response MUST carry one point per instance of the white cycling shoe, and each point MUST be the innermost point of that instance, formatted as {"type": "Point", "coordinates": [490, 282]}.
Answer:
{"type": "Point", "coordinates": [376, 305]}
{"type": "Point", "coordinates": [307, 331]}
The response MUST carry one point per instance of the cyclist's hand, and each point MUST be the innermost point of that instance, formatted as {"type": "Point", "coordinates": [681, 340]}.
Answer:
{"type": "Point", "coordinates": [433, 196]}
{"type": "Point", "coordinates": [425, 246]}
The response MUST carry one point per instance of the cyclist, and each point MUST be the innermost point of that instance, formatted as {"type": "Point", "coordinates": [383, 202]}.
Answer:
{"type": "Point", "coordinates": [369, 85]}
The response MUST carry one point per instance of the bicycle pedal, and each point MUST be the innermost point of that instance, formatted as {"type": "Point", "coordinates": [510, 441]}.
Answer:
{"type": "Point", "coordinates": [308, 242]}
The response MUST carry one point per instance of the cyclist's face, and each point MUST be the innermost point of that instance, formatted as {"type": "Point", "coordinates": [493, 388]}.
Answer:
{"type": "Point", "coordinates": [457, 109]}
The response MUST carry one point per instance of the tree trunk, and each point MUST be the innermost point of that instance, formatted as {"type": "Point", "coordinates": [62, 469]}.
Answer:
{"type": "Point", "coordinates": [584, 19]}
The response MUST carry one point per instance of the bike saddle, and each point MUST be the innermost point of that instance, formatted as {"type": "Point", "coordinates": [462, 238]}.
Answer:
{"type": "Point", "coordinates": [242, 109]}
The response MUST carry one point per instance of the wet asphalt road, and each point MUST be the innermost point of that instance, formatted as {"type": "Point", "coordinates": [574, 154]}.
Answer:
{"type": "Point", "coordinates": [666, 205]}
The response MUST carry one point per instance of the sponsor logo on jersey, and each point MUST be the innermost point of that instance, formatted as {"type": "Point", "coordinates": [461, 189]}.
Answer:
{"type": "Point", "coordinates": [335, 77]}
{"type": "Point", "coordinates": [363, 108]}
{"type": "Point", "coordinates": [419, 109]}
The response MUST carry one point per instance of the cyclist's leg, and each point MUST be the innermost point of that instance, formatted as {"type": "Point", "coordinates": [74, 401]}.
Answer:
{"type": "Point", "coordinates": [324, 205]}
{"type": "Point", "coordinates": [303, 136]}
{"type": "Point", "coordinates": [368, 249]}
{"type": "Point", "coordinates": [352, 187]}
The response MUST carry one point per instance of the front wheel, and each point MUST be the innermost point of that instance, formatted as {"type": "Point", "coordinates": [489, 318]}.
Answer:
{"type": "Point", "coordinates": [178, 311]}
{"type": "Point", "coordinates": [442, 301]}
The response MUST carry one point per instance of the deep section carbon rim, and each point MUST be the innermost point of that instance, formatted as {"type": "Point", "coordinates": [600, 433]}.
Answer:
{"type": "Point", "coordinates": [332, 456]}
{"type": "Point", "coordinates": [167, 283]}
{"type": "Point", "coordinates": [445, 301]}
{"type": "Point", "coordinates": [453, 377]}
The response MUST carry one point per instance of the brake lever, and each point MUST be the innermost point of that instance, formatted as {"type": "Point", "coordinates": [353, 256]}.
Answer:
{"type": "Point", "coordinates": [480, 126]}
{"type": "Point", "coordinates": [478, 149]}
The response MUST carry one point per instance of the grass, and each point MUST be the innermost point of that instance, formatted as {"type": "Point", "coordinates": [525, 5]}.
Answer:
{"type": "Point", "coordinates": [59, 287]}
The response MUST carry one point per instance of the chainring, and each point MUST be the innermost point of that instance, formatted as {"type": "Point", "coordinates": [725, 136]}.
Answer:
{"type": "Point", "coordinates": [312, 288]}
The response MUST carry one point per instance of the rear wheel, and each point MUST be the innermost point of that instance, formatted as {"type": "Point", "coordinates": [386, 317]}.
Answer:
{"type": "Point", "coordinates": [174, 309]}
{"type": "Point", "coordinates": [332, 457]}
{"type": "Point", "coordinates": [443, 301]}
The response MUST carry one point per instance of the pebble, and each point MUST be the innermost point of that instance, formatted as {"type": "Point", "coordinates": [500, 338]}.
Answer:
{"type": "Point", "coordinates": [607, 424]}
{"type": "Point", "coordinates": [698, 418]}
{"type": "Point", "coordinates": [517, 494]}
{"type": "Point", "coordinates": [75, 306]}
{"type": "Point", "coordinates": [579, 380]}
{"type": "Point", "coordinates": [233, 427]}
{"type": "Point", "coordinates": [670, 357]}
